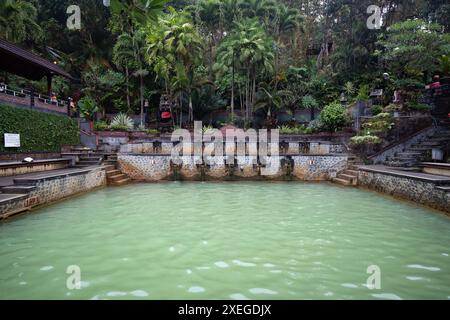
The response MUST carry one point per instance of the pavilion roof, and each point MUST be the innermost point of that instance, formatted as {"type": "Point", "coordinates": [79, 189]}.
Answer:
{"type": "Point", "coordinates": [24, 63]}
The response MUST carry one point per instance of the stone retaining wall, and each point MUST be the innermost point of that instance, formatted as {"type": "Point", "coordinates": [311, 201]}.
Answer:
{"type": "Point", "coordinates": [419, 191]}
{"type": "Point", "coordinates": [152, 168]}
{"type": "Point", "coordinates": [52, 189]}
{"type": "Point", "coordinates": [14, 169]}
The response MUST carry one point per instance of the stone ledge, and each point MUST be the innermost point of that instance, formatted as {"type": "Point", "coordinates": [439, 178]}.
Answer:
{"type": "Point", "coordinates": [6, 198]}
{"type": "Point", "coordinates": [48, 177]}
{"type": "Point", "coordinates": [411, 175]}
{"type": "Point", "coordinates": [13, 164]}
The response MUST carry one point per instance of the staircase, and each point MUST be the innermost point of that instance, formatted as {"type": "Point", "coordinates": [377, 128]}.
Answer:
{"type": "Point", "coordinates": [349, 177]}
{"type": "Point", "coordinates": [410, 157]}
{"type": "Point", "coordinates": [89, 160]}
{"type": "Point", "coordinates": [114, 176]}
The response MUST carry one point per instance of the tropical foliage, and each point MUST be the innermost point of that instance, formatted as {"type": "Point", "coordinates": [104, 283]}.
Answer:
{"type": "Point", "coordinates": [249, 59]}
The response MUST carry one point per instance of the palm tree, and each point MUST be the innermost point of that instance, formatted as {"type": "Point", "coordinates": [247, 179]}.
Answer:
{"type": "Point", "coordinates": [18, 21]}
{"type": "Point", "coordinates": [139, 45]}
{"type": "Point", "coordinates": [251, 49]}
{"type": "Point", "coordinates": [174, 50]}
{"type": "Point", "coordinates": [206, 15]}
{"type": "Point", "coordinates": [135, 13]}
{"type": "Point", "coordinates": [123, 57]}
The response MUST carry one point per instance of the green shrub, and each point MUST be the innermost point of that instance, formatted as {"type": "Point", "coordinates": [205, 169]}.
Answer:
{"type": "Point", "coordinates": [376, 109]}
{"type": "Point", "coordinates": [419, 107]}
{"type": "Point", "coordinates": [101, 126]}
{"type": "Point", "coordinates": [334, 117]}
{"type": "Point", "coordinates": [122, 122]}
{"type": "Point", "coordinates": [39, 132]}
{"type": "Point", "coordinates": [152, 131]}
{"type": "Point", "coordinates": [363, 93]}
{"type": "Point", "coordinates": [88, 108]}
{"type": "Point", "coordinates": [380, 123]}
{"type": "Point", "coordinates": [295, 130]}
{"type": "Point", "coordinates": [119, 127]}
{"type": "Point", "coordinates": [315, 126]}
{"type": "Point", "coordinates": [365, 140]}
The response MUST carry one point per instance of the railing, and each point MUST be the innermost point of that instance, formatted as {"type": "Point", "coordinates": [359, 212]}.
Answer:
{"type": "Point", "coordinates": [22, 93]}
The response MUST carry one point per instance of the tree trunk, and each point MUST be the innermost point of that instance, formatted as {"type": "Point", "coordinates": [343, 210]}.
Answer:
{"type": "Point", "coordinates": [191, 108]}
{"type": "Point", "coordinates": [142, 100]}
{"type": "Point", "coordinates": [232, 94]}
{"type": "Point", "coordinates": [127, 71]}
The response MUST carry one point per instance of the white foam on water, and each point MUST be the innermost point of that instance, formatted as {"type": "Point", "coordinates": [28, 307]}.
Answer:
{"type": "Point", "coordinates": [328, 294]}
{"type": "Point", "coordinates": [349, 285]}
{"type": "Point", "coordinates": [222, 265]}
{"type": "Point", "coordinates": [203, 268]}
{"type": "Point", "coordinates": [387, 296]}
{"type": "Point", "coordinates": [189, 271]}
{"type": "Point", "coordinates": [238, 296]}
{"type": "Point", "coordinates": [47, 268]}
{"type": "Point", "coordinates": [196, 290]}
{"type": "Point", "coordinates": [244, 264]}
{"type": "Point", "coordinates": [172, 249]}
{"type": "Point", "coordinates": [445, 254]}
{"type": "Point", "coordinates": [205, 243]}
{"type": "Point", "coordinates": [116, 294]}
{"type": "Point", "coordinates": [262, 291]}
{"type": "Point", "coordinates": [269, 265]}
{"type": "Point", "coordinates": [139, 293]}
{"type": "Point", "coordinates": [23, 283]}
{"type": "Point", "coordinates": [276, 271]}
{"type": "Point", "coordinates": [414, 278]}
{"type": "Point", "coordinates": [418, 266]}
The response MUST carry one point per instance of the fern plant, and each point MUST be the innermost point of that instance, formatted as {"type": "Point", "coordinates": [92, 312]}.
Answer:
{"type": "Point", "coordinates": [122, 122]}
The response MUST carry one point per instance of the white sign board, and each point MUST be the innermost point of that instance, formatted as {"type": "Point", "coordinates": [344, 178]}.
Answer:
{"type": "Point", "coordinates": [12, 140]}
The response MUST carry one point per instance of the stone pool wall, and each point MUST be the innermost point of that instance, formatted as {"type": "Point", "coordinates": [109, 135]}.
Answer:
{"type": "Point", "coordinates": [416, 190]}
{"type": "Point", "coordinates": [54, 188]}
{"type": "Point", "coordinates": [153, 168]}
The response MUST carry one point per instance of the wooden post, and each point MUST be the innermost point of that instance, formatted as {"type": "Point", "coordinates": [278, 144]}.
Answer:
{"type": "Point", "coordinates": [49, 85]}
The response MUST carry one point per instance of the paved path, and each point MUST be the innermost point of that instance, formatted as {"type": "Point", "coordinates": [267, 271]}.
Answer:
{"type": "Point", "coordinates": [9, 181]}
{"type": "Point", "coordinates": [406, 174]}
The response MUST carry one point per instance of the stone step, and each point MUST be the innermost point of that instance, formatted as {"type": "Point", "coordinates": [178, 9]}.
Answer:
{"type": "Point", "coordinates": [81, 166]}
{"type": "Point", "coordinates": [84, 158]}
{"type": "Point", "coordinates": [110, 162]}
{"type": "Point", "coordinates": [117, 177]}
{"type": "Point", "coordinates": [409, 154]}
{"type": "Point", "coordinates": [18, 189]}
{"type": "Point", "coordinates": [121, 182]}
{"type": "Point", "coordinates": [351, 172]}
{"type": "Point", "coordinates": [418, 149]}
{"type": "Point", "coordinates": [109, 168]}
{"type": "Point", "coordinates": [5, 197]}
{"type": "Point", "coordinates": [446, 189]}
{"type": "Point", "coordinates": [341, 181]}
{"type": "Point", "coordinates": [347, 177]}
{"type": "Point", "coordinates": [437, 139]}
{"type": "Point", "coordinates": [428, 143]}
{"type": "Point", "coordinates": [112, 173]}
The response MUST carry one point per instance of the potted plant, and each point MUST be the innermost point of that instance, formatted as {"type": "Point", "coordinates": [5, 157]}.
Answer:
{"type": "Point", "coordinates": [88, 108]}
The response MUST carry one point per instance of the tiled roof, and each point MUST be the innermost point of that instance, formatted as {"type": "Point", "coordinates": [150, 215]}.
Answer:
{"type": "Point", "coordinates": [24, 63]}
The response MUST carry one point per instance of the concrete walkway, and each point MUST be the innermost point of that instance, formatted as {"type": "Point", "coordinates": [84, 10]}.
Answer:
{"type": "Point", "coordinates": [407, 174]}
{"type": "Point", "coordinates": [9, 181]}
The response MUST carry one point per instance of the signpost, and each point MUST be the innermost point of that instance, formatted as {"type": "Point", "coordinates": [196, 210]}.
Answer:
{"type": "Point", "coordinates": [12, 140]}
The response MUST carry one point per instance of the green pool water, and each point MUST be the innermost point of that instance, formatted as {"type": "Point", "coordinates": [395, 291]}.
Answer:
{"type": "Point", "coordinates": [227, 241]}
